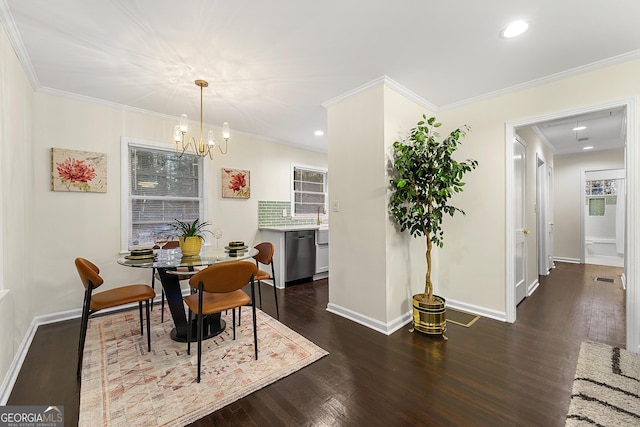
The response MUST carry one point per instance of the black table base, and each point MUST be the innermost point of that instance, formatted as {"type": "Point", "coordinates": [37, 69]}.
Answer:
{"type": "Point", "coordinates": [212, 324]}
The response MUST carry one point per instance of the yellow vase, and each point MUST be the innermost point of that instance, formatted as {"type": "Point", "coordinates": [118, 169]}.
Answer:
{"type": "Point", "coordinates": [190, 246]}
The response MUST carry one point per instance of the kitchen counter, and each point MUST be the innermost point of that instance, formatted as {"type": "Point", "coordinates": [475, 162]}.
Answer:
{"type": "Point", "coordinates": [277, 235]}
{"type": "Point", "coordinates": [295, 227]}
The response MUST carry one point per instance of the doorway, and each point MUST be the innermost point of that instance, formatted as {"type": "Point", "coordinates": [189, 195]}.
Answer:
{"type": "Point", "coordinates": [631, 153]}
{"type": "Point", "coordinates": [544, 215]}
{"type": "Point", "coordinates": [603, 217]}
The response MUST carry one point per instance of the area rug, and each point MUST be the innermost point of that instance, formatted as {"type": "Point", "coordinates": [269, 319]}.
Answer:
{"type": "Point", "coordinates": [606, 387]}
{"type": "Point", "coordinates": [125, 385]}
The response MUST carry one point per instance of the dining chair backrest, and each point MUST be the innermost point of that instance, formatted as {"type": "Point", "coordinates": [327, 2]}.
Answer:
{"type": "Point", "coordinates": [265, 253]}
{"type": "Point", "coordinates": [89, 273]}
{"type": "Point", "coordinates": [223, 277]}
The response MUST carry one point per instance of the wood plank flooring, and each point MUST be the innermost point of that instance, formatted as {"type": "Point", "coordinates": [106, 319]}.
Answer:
{"type": "Point", "coordinates": [492, 374]}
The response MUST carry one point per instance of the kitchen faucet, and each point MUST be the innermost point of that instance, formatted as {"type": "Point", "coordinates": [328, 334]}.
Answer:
{"type": "Point", "coordinates": [319, 221]}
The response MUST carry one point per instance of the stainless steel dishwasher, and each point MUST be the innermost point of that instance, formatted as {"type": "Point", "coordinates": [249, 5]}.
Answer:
{"type": "Point", "coordinates": [300, 250]}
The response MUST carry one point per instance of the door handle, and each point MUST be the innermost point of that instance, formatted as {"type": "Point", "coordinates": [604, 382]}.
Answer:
{"type": "Point", "coordinates": [526, 231]}
{"type": "Point", "coordinates": [551, 224]}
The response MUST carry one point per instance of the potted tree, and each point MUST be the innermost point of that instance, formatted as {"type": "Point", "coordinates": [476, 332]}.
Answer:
{"type": "Point", "coordinates": [190, 235]}
{"type": "Point", "coordinates": [424, 177]}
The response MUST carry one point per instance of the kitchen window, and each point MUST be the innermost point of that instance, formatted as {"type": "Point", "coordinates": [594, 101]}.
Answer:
{"type": "Point", "coordinates": [308, 190]}
{"type": "Point", "coordinates": [160, 187]}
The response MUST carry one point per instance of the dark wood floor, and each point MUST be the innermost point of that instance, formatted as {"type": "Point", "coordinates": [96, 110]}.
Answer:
{"type": "Point", "coordinates": [492, 374]}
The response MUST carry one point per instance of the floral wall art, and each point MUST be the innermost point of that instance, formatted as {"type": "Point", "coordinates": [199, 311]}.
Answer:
{"type": "Point", "coordinates": [73, 170]}
{"type": "Point", "coordinates": [236, 183]}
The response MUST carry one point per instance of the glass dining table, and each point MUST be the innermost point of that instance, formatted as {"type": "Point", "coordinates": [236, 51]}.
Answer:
{"type": "Point", "coordinates": [166, 263]}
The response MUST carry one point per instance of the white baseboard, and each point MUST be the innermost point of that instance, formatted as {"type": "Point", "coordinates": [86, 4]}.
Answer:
{"type": "Point", "coordinates": [321, 275]}
{"type": "Point", "coordinates": [14, 369]}
{"type": "Point", "coordinates": [376, 325]}
{"type": "Point", "coordinates": [569, 260]}
{"type": "Point", "coordinates": [16, 364]}
{"type": "Point", "coordinates": [480, 311]}
{"type": "Point", "coordinates": [399, 322]}
{"type": "Point", "coordinates": [532, 287]}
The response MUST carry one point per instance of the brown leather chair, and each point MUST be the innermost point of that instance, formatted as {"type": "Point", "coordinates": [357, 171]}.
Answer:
{"type": "Point", "coordinates": [219, 288]}
{"type": "Point", "coordinates": [265, 257]}
{"type": "Point", "coordinates": [90, 276]}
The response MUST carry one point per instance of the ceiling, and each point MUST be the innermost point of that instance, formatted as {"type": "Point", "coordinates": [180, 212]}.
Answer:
{"type": "Point", "coordinates": [272, 64]}
{"type": "Point", "coordinates": [599, 130]}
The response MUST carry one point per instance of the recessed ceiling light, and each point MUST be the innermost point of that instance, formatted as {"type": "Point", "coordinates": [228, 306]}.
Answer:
{"type": "Point", "coordinates": [579, 128]}
{"type": "Point", "coordinates": [318, 133]}
{"type": "Point", "coordinates": [588, 147]}
{"type": "Point", "coordinates": [514, 29]}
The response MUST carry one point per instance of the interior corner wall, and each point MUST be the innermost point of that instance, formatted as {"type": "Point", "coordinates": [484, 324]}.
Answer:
{"type": "Point", "coordinates": [16, 171]}
{"type": "Point", "coordinates": [405, 258]}
{"type": "Point", "coordinates": [357, 204]}
{"type": "Point", "coordinates": [569, 195]}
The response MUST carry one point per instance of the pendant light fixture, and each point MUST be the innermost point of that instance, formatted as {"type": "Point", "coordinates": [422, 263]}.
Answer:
{"type": "Point", "coordinates": [199, 148]}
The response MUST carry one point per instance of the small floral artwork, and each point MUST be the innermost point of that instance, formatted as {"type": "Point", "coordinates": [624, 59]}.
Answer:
{"type": "Point", "coordinates": [73, 170]}
{"type": "Point", "coordinates": [235, 183]}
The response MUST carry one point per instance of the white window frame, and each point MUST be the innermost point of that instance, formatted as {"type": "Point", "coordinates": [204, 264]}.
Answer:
{"type": "Point", "coordinates": [324, 171]}
{"type": "Point", "coordinates": [125, 185]}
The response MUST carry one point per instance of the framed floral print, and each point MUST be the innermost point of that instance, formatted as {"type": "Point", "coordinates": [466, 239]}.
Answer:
{"type": "Point", "coordinates": [73, 170]}
{"type": "Point", "coordinates": [236, 183]}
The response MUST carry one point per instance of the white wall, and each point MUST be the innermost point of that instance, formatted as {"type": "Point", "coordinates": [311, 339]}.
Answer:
{"type": "Point", "coordinates": [569, 197]}
{"type": "Point", "coordinates": [405, 255]}
{"type": "Point", "coordinates": [385, 267]}
{"type": "Point", "coordinates": [357, 182]}
{"type": "Point", "coordinates": [16, 182]}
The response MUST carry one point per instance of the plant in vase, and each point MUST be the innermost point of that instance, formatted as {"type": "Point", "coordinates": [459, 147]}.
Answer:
{"type": "Point", "coordinates": [190, 235]}
{"type": "Point", "coordinates": [424, 177]}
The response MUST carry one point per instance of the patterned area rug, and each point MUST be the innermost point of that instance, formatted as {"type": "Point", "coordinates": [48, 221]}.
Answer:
{"type": "Point", "coordinates": [124, 385]}
{"type": "Point", "coordinates": [606, 387]}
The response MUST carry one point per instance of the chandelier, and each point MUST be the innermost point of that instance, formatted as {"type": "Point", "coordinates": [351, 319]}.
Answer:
{"type": "Point", "coordinates": [199, 148]}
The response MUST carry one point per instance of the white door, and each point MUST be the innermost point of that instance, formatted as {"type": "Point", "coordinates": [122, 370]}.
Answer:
{"type": "Point", "coordinates": [542, 212]}
{"type": "Point", "coordinates": [519, 187]}
{"type": "Point", "coordinates": [550, 224]}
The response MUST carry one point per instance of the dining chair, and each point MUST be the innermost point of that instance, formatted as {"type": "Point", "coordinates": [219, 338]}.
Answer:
{"type": "Point", "coordinates": [90, 277]}
{"type": "Point", "coordinates": [219, 288]}
{"type": "Point", "coordinates": [265, 257]}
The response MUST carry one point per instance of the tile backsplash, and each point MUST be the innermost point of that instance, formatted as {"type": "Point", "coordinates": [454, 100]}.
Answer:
{"type": "Point", "coordinates": [270, 214]}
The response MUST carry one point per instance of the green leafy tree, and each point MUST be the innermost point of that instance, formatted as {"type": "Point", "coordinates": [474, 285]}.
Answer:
{"type": "Point", "coordinates": [424, 178]}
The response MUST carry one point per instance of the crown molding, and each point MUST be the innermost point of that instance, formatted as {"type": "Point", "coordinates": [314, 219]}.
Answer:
{"type": "Point", "coordinates": [16, 41]}
{"type": "Point", "coordinates": [598, 65]}
{"type": "Point", "coordinates": [384, 81]}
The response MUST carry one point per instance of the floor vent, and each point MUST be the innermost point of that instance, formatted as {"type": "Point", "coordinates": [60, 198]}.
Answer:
{"type": "Point", "coordinates": [605, 279]}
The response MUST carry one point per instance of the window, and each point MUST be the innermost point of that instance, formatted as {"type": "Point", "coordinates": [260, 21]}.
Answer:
{"type": "Point", "coordinates": [600, 193]}
{"type": "Point", "coordinates": [161, 188]}
{"type": "Point", "coordinates": [308, 190]}
{"type": "Point", "coordinates": [596, 206]}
